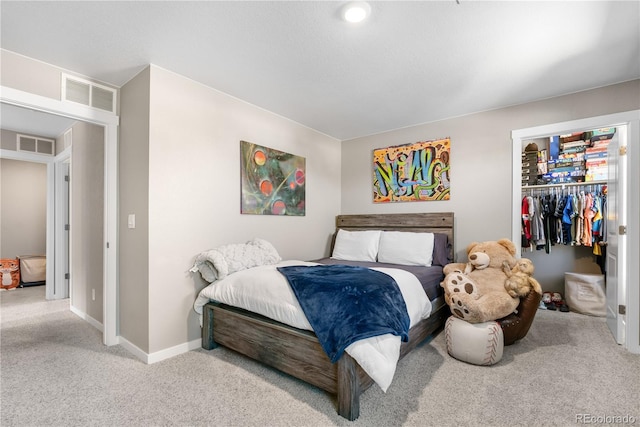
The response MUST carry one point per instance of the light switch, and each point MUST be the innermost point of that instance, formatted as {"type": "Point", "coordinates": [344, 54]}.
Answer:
{"type": "Point", "coordinates": [131, 221]}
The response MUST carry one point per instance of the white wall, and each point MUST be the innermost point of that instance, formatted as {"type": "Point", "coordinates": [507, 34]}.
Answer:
{"type": "Point", "coordinates": [87, 219]}
{"type": "Point", "coordinates": [23, 208]}
{"type": "Point", "coordinates": [481, 159]}
{"type": "Point", "coordinates": [194, 195]}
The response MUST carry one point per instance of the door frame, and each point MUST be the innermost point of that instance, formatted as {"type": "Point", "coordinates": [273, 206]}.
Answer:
{"type": "Point", "coordinates": [631, 119]}
{"type": "Point", "coordinates": [110, 123]}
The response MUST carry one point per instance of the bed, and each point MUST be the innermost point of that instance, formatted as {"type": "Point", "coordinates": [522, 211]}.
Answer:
{"type": "Point", "coordinates": [298, 352]}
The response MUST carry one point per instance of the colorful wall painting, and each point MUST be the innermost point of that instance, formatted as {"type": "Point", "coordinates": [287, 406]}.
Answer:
{"type": "Point", "coordinates": [412, 172]}
{"type": "Point", "coordinates": [272, 182]}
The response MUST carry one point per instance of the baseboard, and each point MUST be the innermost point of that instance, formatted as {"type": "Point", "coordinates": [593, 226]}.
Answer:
{"type": "Point", "coordinates": [90, 320]}
{"type": "Point", "coordinates": [174, 351]}
{"type": "Point", "coordinates": [158, 356]}
{"type": "Point", "coordinates": [147, 358]}
{"type": "Point", "coordinates": [133, 349]}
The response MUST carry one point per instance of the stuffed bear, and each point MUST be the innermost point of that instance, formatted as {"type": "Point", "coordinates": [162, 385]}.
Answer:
{"type": "Point", "coordinates": [476, 291]}
{"type": "Point", "coordinates": [520, 279]}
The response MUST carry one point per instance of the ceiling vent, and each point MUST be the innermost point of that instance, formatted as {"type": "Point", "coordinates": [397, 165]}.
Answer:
{"type": "Point", "coordinates": [91, 94]}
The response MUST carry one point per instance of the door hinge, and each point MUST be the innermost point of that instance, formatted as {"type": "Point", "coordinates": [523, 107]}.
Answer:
{"type": "Point", "coordinates": [67, 227]}
{"type": "Point", "coordinates": [66, 276]}
{"type": "Point", "coordinates": [622, 230]}
{"type": "Point", "coordinates": [623, 150]}
{"type": "Point", "coordinates": [66, 178]}
{"type": "Point", "coordinates": [107, 245]}
{"type": "Point", "coordinates": [622, 309]}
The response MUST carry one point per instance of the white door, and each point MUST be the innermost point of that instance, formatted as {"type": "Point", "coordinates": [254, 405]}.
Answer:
{"type": "Point", "coordinates": [615, 251]}
{"type": "Point", "coordinates": [60, 288]}
{"type": "Point", "coordinates": [67, 221]}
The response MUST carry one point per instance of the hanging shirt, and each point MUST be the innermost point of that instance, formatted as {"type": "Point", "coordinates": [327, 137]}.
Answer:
{"type": "Point", "coordinates": [540, 236]}
{"type": "Point", "coordinates": [567, 211]}
{"type": "Point", "coordinates": [580, 217]}
{"type": "Point", "coordinates": [589, 213]}
{"type": "Point", "coordinates": [566, 220]}
{"type": "Point", "coordinates": [596, 222]}
{"type": "Point", "coordinates": [526, 224]}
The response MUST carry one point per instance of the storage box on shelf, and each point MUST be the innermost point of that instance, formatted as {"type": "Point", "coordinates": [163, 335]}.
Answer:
{"type": "Point", "coordinates": [529, 168]}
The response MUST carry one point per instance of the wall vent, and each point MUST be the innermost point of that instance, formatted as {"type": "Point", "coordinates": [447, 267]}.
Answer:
{"type": "Point", "coordinates": [35, 144]}
{"type": "Point", "coordinates": [67, 138]}
{"type": "Point", "coordinates": [91, 94]}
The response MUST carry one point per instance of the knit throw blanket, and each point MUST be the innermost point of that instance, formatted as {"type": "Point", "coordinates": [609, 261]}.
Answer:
{"type": "Point", "coordinates": [344, 304]}
{"type": "Point", "coordinates": [218, 263]}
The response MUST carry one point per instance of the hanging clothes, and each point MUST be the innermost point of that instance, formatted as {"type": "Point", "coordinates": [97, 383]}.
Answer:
{"type": "Point", "coordinates": [596, 222]}
{"type": "Point", "coordinates": [577, 218]}
{"type": "Point", "coordinates": [579, 223]}
{"type": "Point", "coordinates": [548, 221]}
{"type": "Point", "coordinates": [567, 214]}
{"type": "Point", "coordinates": [589, 214]}
{"type": "Point", "coordinates": [526, 223]}
{"type": "Point", "coordinates": [599, 227]}
{"type": "Point", "coordinates": [537, 224]}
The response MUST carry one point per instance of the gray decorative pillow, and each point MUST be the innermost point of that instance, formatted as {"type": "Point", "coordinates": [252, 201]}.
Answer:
{"type": "Point", "coordinates": [441, 248]}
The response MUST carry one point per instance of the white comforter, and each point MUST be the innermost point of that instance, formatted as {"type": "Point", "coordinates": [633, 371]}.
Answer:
{"type": "Point", "coordinates": [265, 291]}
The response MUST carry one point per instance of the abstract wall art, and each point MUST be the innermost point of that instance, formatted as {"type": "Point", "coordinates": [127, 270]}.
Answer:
{"type": "Point", "coordinates": [272, 182]}
{"type": "Point", "coordinates": [412, 172]}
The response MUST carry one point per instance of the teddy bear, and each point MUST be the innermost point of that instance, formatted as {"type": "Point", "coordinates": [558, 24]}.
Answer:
{"type": "Point", "coordinates": [475, 291]}
{"type": "Point", "coordinates": [520, 279]}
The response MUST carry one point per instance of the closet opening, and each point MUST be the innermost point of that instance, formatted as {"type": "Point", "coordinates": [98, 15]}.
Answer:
{"type": "Point", "coordinates": [563, 204]}
{"type": "Point", "coordinates": [581, 162]}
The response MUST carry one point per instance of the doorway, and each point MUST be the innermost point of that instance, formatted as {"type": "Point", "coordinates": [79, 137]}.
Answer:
{"type": "Point", "coordinates": [624, 276]}
{"type": "Point", "coordinates": [109, 122]}
{"type": "Point", "coordinates": [28, 224]}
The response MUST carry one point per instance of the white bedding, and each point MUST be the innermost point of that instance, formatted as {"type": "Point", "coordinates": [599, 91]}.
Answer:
{"type": "Point", "coordinates": [265, 291]}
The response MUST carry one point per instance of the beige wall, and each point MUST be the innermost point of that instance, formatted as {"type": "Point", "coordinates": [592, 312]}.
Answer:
{"type": "Point", "coordinates": [33, 76]}
{"type": "Point", "coordinates": [20, 72]}
{"type": "Point", "coordinates": [194, 195]}
{"type": "Point", "coordinates": [8, 139]}
{"type": "Point", "coordinates": [481, 160]}
{"type": "Point", "coordinates": [87, 219]}
{"type": "Point", "coordinates": [23, 208]}
{"type": "Point", "coordinates": [133, 195]}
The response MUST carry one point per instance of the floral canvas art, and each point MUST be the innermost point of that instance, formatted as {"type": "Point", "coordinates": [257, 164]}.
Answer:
{"type": "Point", "coordinates": [272, 181]}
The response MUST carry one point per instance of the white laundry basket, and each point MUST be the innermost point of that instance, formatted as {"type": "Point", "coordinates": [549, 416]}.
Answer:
{"type": "Point", "coordinates": [585, 293]}
{"type": "Point", "coordinates": [33, 268]}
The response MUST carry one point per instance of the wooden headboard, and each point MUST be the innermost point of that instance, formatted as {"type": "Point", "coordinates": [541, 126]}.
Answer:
{"type": "Point", "coordinates": [441, 222]}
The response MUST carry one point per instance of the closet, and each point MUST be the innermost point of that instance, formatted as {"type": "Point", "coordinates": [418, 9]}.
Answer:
{"type": "Point", "coordinates": [564, 204]}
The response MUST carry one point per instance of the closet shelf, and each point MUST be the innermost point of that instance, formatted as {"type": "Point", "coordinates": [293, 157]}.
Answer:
{"type": "Point", "coordinates": [563, 185]}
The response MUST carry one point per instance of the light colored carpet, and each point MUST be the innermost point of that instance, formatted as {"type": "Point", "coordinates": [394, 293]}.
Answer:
{"type": "Point", "coordinates": [55, 372]}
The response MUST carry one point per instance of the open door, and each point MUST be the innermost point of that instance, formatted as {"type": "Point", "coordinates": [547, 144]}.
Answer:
{"type": "Point", "coordinates": [616, 279]}
{"type": "Point", "coordinates": [59, 287]}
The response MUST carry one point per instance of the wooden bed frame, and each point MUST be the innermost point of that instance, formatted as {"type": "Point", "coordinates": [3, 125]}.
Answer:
{"type": "Point", "coordinates": [298, 352]}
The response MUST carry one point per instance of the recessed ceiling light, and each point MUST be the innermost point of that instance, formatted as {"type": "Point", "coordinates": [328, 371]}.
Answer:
{"type": "Point", "coordinates": [356, 11]}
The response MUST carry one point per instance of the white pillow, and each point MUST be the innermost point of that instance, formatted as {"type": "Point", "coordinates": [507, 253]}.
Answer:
{"type": "Point", "coordinates": [356, 245]}
{"type": "Point", "coordinates": [406, 248]}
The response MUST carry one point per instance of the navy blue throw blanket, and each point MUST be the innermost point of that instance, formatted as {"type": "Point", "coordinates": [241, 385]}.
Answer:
{"type": "Point", "coordinates": [345, 303]}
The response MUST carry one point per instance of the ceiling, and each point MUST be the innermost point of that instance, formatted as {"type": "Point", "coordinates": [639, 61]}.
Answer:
{"type": "Point", "coordinates": [412, 62]}
{"type": "Point", "coordinates": [32, 122]}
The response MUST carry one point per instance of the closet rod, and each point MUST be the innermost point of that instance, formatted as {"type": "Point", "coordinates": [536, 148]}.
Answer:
{"type": "Point", "coordinates": [563, 185]}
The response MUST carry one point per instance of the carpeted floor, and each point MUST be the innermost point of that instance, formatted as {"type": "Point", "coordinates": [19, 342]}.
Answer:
{"type": "Point", "coordinates": [56, 372]}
